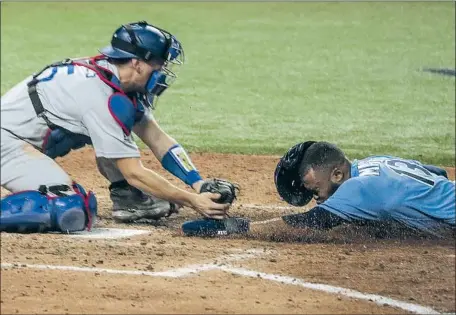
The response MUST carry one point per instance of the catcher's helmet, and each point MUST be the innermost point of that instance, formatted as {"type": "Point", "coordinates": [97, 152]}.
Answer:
{"type": "Point", "coordinates": [287, 179]}
{"type": "Point", "coordinates": [144, 41]}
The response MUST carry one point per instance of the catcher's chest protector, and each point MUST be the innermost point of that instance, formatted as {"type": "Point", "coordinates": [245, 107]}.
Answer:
{"type": "Point", "coordinates": [125, 110]}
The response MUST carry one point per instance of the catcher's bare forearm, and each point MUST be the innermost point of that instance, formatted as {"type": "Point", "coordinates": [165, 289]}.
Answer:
{"type": "Point", "coordinates": [170, 153]}
{"type": "Point", "coordinates": [197, 186]}
{"type": "Point", "coordinates": [150, 182]}
{"type": "Point", "coordinates": [154, 137]}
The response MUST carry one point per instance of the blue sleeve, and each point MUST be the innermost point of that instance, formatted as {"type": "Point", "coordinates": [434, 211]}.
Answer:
{"type": "Point", "coordinates": [436, 170]}
{"type": "Point", "coordinates": [357, 200]}
{"type": "Point", "coordinates": [433, 169]}
{"type": "Point", "coordinates": [177, 162]}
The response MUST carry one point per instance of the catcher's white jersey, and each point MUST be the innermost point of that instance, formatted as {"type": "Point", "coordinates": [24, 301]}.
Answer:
{"type": "Point", "coordinates": [76, 99]}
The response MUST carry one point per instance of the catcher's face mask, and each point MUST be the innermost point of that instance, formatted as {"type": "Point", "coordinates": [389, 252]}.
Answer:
{"type": "Point", "coordinates": [149, 43]}
{"type": "Point", "coordinates": [160, 80]}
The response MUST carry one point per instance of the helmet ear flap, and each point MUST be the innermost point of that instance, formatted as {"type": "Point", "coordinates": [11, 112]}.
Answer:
{"type": "Point", "coordinates": [287, 179]}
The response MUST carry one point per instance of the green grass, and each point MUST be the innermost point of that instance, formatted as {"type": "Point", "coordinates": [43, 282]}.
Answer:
{"type": "Point", "coordinates": [260, 77]}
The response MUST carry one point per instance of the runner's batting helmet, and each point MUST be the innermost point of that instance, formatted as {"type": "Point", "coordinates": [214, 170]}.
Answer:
{"type": "Point", "coordinates": [286, 176]}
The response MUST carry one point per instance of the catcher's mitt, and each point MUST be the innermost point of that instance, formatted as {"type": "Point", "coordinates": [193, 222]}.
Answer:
{"type": "Point", "coordinates": [228, 191]}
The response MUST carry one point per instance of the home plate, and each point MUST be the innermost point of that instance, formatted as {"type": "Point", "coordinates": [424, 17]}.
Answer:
{"type": "Point", "coordinates": [105, 233]}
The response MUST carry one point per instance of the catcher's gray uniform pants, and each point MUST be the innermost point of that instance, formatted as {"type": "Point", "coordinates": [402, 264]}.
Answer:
{"type": "Point", "coordinates": [25, 168]}
{"type": "Point", "coordinates": [109, 170]}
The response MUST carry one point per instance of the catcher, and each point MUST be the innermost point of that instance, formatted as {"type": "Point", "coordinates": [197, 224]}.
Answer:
{"type": "Point", "coordinates": [377, 189]}
{"type": "Point", "coordinates": [99, 101]}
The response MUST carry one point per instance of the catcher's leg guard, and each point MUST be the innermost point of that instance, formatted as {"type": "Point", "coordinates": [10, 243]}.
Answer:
{"type": "Point", "coordinates": [56, 208]}
{"type": "Point", "coordinates": [131, 204]}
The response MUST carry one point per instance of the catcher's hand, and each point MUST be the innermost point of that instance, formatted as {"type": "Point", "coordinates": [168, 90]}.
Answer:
{"type": "Point", "coordinates": [228, 191]}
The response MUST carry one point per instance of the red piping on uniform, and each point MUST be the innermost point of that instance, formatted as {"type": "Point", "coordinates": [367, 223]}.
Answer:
{"type": "Point", "coordinates": [46, 139]}
{"type": "Point", "coordinates": [124, 128]}
{"type": "Point", "coordinates": [101, 57]}
{"type": "Point", "coordinates": [98, 57]}
{"type": "Point", "coordinates": [109, 83]}
{"type": "Point", "coordinates": [102, 78]}
{"type": "Point", "coordinates": [86, 206]}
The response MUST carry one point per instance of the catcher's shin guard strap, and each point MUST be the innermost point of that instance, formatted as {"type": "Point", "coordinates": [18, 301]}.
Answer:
{"type": "Point", "coordinates": [177, 162]}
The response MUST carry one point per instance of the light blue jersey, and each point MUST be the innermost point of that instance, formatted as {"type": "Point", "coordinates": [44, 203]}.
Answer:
{"type": "Point", "coordinates": [385, 188]}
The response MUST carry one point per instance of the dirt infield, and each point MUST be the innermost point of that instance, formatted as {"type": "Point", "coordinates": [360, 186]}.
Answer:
{"type": "Point", "coordinates": [275, 269]}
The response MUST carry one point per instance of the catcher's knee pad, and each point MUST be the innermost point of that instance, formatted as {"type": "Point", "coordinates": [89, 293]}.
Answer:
{"type": "Point", "coordinates": [56, 208]}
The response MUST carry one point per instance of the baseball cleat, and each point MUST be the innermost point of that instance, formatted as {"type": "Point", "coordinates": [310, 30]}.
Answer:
{"type": "Point", "coordinates": [131, 204]}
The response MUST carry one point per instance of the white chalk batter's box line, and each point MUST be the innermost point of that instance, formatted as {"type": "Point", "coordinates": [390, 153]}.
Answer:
{"type": "Point", "coordinates": [223, 266]}
{"type": "Point", "coordinates": [105, 233]}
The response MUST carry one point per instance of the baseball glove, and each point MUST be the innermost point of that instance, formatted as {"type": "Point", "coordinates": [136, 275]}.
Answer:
{"type": "Point", "coordinates": [227, 190]}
